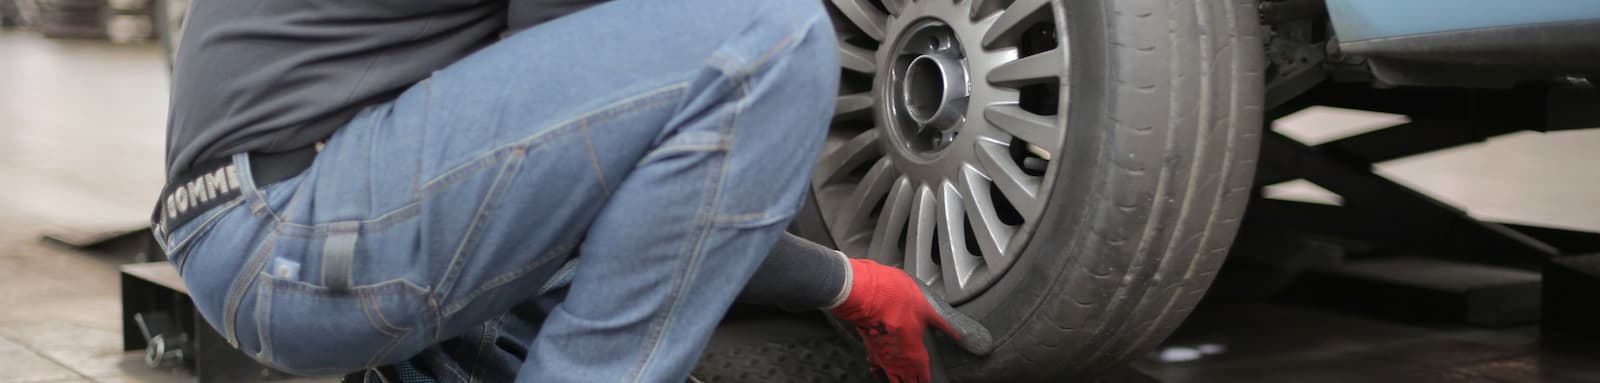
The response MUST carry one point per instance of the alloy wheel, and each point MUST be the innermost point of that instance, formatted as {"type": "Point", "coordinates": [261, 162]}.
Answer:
{"type": "Point", "coordinates": [940, 156]}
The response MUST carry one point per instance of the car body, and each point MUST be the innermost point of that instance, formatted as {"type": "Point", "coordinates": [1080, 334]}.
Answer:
{"type": "Point", "coordinates": [1480, 43]}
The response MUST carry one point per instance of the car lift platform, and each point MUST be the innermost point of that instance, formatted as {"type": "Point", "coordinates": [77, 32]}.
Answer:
{"type": "Point", "coordinates": [1392, 251]}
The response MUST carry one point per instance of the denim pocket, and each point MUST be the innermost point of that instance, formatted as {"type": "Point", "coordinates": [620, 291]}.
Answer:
{"type": "Point", "coordinates": [311, 330]}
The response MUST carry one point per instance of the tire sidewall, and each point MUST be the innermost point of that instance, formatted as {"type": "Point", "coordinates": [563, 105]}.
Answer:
{"type": "Point", "coordinates": [1081, 190]}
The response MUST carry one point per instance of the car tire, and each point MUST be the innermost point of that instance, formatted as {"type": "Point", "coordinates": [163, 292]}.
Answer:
{"type": "Point", "coordinates": [1163, 106]}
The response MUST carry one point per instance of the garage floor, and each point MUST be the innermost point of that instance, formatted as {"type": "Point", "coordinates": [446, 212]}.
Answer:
{"type": "Point", "coordinates": [1278, 343]}
{"type": "Point", "coordinates": [81, 152]}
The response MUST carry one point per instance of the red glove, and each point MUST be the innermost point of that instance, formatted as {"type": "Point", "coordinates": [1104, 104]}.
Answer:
{"type": "Point", "coordinates": [891, 312]}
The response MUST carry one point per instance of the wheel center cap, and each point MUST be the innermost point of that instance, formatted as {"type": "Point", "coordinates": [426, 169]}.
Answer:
{"type": "Point", "coordinates": [933, 85]}
{"type": "Point", "coordinates": [930, 88]}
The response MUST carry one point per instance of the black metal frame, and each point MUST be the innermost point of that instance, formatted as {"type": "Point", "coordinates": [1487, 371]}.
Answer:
{"type": "Point", "coordinates": [1392, 215]}
{"type": "Point", "coordinates": [168, 311]}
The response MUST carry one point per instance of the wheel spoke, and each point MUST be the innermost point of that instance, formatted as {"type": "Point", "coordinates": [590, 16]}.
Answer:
{"type": "Point", "coordinates": [839, 162]}
{"type": "Point", "coordinates": [856, 211]}
{"type": "Point", "coordinates": [1016, 19]}
{"type": "Point", "coordinates": [893, 6]}
{"type": "Point", "coordinates": [920, 236]}
{"type": "Point", "coordinates": [856, 58]}
{"type": "Point", "coordinates": [979, 8]}
{"type": "Point", "coordinates": [1027, 126]}
{"type": "Point", "coordinates": [886, 236]}
{"type": "Point", "coordinates": [957, 265]}
{"type": "Point", "coordinates": [1021, 189]}
{"type": "Point", "coordinates": [1039, 68]}
{"type": "Point", "coordinates": [865, 16]}
{"type": "Point", "coordinates": [852, 106]}
{"type": "Point", "coordinates": [993, 236]}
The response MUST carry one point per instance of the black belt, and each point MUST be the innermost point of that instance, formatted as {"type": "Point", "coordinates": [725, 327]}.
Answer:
{"type": "Point", "coordinates": [213, 183]}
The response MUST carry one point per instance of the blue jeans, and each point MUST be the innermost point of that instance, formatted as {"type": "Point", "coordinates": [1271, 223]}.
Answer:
{"type": "Point", "coordinates": [668, 143]}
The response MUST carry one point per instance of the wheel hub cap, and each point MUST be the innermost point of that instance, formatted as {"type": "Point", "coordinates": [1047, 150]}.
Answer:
{"type": "Point", "coordinates": [932, 89]}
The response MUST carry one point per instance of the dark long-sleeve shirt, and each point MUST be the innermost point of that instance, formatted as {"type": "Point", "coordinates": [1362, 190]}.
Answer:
{"type": "Point", "coordinates": [277, 75]}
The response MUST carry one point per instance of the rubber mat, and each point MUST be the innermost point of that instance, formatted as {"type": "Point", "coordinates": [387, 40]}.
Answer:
{"type": "Point", "coordinates": [819, 360]}
{"type": "Point", "coordinates": [769, 346]}
{"type": "Point", "coordinates": [780, 349]}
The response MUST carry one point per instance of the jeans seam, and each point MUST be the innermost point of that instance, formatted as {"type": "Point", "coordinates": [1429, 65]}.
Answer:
{"type": "Point", "coordinates": [202, 229]}
{"type": "Point", "coordinates": [374, 314]}
{"type": "Point", "coordinates": [676, 295]}
{"type": "Point", "coordinates": [504, 278]}
{"type": "Point", "coordinates": [487, 160]}
{"type": "Point", "coordinates": [460, 375]}
{"type": "Point", "coordinates": [484, 341]}
{"type": "Point", "coordinates": [427, 114]}
{"type": "Point", "coordinates": [211, 217]}
{"type": "Point", "coordinates": [745, 69]}
{"type": "Point", "coordinates": [378, 322]}
{"type": "Point", "coordinates": [804, 29]}
{"type": "Point", "coordinates": [284, 225]}
{"type": "Point", "coordinates": [514, 154]}
{"type": "Point", "coordinates": [383, 222]}
{"type": "Point", "coordinates": [437, 318]}
{"type": "Point", "coordinates": [375, 121]}
{"type": "Point", "coordinates": [246, 277]}
{"type": "Point", "coordinates": [259, 202]}
{"type": "Point", "coordinates": [263, 316]}
{"type": "Point", "coordinates": [471, 238]}
{"type": "Point", "coordinates": [708, 209]}
{"type": "Point", "coordinates": [758, 219]}
{"type": "Point", "coordinates": [741, 75]}
{"type": "Point", "coordinates": [561, 273]}
{"type": "Point", "coordinates": [608, 112]}
{"type": "Point", "coordinates": [722, 145]}
{"type": "Point", "coordinates": [594, 159]}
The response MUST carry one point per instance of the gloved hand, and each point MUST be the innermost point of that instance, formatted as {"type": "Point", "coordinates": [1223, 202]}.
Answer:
{"type": "Point", "coordinates": [891, 312]}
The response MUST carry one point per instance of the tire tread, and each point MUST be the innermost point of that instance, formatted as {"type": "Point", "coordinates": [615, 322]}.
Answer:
{"type": "Point", "coordinates": [1133, 288]}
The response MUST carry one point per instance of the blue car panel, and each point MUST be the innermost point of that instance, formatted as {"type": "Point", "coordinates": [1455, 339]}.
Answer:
{"type": "Point", "coordinates": [1358, 20]}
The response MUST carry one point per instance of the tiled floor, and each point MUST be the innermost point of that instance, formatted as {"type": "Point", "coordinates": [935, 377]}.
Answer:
{"type": "Point", "coordinates": [80, 151]}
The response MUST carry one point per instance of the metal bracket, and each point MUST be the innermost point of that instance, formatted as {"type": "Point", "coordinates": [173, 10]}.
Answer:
{"type": "Point", "coordinates": [159, 316]}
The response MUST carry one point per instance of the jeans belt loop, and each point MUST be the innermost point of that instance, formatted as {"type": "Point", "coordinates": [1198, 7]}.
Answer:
{"type": "Point", "coordinates": [338, 255]}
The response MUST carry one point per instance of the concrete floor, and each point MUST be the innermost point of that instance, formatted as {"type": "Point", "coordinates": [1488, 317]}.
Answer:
{"type": "Point", "coordinates": [1278, 342]}
{"type": "Point", "coordinates": [80, 148]}
{"type": "Point", "coordinates": [81, 126]}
